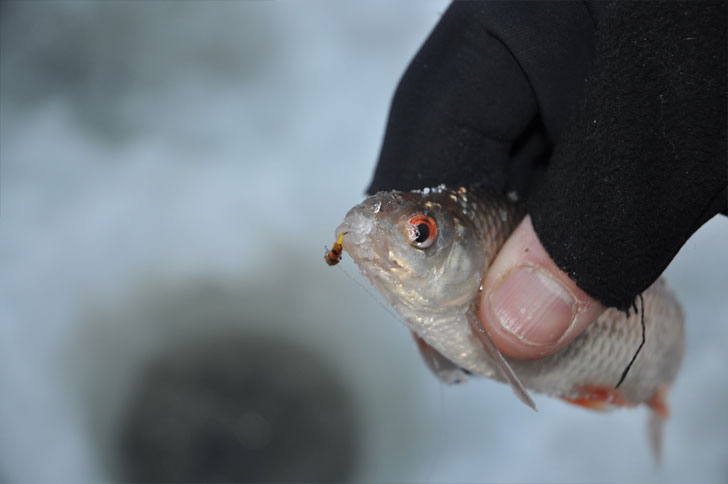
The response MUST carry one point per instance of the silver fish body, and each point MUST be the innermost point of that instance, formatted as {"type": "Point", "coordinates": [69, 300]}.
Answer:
{"type": "Point", "coordinates": [434, 289]}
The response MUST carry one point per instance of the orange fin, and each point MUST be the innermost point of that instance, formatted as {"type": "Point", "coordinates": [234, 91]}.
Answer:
{"type": "Point", "coordinates": [604, 398]}
{"type": "Point", "coordinates": [658, 403]}
{"type": "Point", "coordinates": [598, 398]}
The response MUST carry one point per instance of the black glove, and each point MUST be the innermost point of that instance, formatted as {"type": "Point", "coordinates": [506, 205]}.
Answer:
{"type": "Point", "coordinates": [608, 118]}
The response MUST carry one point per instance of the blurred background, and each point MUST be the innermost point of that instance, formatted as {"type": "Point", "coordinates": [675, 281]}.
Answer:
{"type": "Point", "coordinates": [170, 174]}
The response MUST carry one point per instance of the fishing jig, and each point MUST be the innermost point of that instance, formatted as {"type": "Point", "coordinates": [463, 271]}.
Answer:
{"type": "Point", "coordinates": [333, 256]}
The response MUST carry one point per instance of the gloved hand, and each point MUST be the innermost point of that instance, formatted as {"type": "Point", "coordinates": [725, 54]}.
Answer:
{"type": "Point", "coordinates": [608, 119]}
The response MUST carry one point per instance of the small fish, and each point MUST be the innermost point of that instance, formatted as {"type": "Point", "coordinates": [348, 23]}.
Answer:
{"type": "Point", "coordinates": [427, 252]}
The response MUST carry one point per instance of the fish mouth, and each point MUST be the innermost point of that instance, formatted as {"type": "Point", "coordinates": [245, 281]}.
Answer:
{"type": "Point", "coordinates": [356, 230]}
{"type": "Point", "coordinates": [366, 238]}
{"type": "Point", "coordinates": [372, 265]}
{"type": "Point", "coordinates": [342, 229]}
{"type": "Point", "coordinates": [363, 246]}
{"type": "Point", "coordinates": [358, 246]}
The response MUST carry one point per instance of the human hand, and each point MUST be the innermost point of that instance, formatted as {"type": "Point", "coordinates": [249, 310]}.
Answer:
{"type": "Point", "coordinates": [616, 172]}
{"type": "Point", "coordinates": [530, 307]}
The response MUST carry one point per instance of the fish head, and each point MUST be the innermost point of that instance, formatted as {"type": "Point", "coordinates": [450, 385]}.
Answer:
{"type": "Point", "coordinates": [419, 249]}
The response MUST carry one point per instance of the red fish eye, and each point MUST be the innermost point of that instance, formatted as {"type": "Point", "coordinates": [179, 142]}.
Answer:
{"type": "Point", "coordinates": [422, 231]}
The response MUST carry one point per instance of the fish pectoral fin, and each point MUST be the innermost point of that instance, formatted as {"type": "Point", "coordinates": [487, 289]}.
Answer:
{"type": "Point", "coordinates": [444, 369]}
{"type": "Point", "coordinates": [500, 362]}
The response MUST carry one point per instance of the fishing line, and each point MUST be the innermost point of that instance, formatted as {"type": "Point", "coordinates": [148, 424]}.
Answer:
{"type": "Point", "coordinates": [366, 290]}
{"type": "Point", "coordinates": [642, 321]}
{"type": "Point", "coordinates": [437, 449]}
{"type": "Point", "coordinates": [432, 463]}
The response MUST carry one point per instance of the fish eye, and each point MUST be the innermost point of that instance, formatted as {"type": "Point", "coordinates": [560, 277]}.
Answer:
{"type": "Point", "coordinates": [421, 231]}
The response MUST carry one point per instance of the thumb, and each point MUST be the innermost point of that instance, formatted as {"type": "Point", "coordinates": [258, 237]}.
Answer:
{"type": "Point", "coordinates": [529, 307]}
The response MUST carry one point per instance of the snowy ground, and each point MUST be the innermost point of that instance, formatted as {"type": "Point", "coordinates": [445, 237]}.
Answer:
{"type": "Point", "coordinates": [158, 158]}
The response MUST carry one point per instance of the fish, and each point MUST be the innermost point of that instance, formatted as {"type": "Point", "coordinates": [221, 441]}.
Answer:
{"type": "Point", "coordinates": [427, 251]}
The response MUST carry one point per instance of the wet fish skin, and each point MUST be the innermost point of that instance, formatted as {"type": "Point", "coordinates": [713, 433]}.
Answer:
{"type": "Point", "coordinates": [434, 289]}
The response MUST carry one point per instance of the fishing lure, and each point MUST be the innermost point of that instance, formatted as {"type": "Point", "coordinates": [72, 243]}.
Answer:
{"type": "Point", "coordinates": [333, 256]}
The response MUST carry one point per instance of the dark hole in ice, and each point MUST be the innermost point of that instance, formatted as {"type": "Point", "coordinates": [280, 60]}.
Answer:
{"type": "Point", "coordinates": [238, 410]}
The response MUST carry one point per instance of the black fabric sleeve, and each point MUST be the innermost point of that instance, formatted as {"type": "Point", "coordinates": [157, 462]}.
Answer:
{"type": "Point", "coordinates": [643, 163]}
{"type": "Point", "coordinates": [610, 119]}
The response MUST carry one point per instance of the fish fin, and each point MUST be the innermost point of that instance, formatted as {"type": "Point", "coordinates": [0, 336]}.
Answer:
{"type": "Point", "coordinates": [655, 423]}
{"type": "Point", "coordinates": [500, 362]}
{"type": "Point", "coordinates": [658, 404]}
{"type": "Point", "coordinates": [444, 369]}
{"type": "Point", "coordinates": [597, 398]}
{"type": "Point", "coordinates": [606, 398]}
{"type": "Point", "coordinates": [659, 412]}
